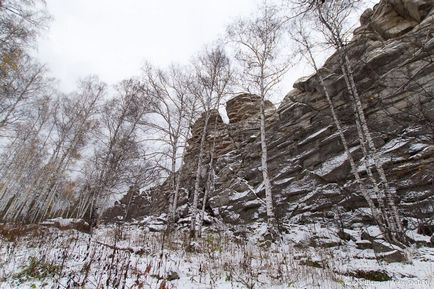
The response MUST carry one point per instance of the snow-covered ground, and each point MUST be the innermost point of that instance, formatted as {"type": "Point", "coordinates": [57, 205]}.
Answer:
{"type": "Point", "coordinates": [129, 256]}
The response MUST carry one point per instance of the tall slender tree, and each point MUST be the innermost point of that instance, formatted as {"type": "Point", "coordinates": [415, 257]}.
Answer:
{"type": "Point", "coordinates": [258, 51]}
{"type": "Point", "coordinates": [171, 115]}
{"type": "Point", "coordinates": [212, 79]}
{"type": "Point", "coordinates": [119, 162]}
{"type": "Point", "coordinates": [302, 37]}
{"type": "Point", "coordinates": [333, 17]}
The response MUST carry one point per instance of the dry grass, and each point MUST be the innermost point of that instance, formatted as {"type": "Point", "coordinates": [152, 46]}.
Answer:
{"type": "Point", "coordinates": [15, 232]}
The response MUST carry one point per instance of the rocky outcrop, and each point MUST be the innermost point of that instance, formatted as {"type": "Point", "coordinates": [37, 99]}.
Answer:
{"type": "Point", "coordinates": [392, 54]}
{"type": "Point", "coordinates": [229, 139]}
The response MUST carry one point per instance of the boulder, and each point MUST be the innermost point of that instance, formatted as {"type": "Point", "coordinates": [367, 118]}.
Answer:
{"type": "Point", "coordinates": [425, 229]}
{"type": "Point", "coordinates": [380, 246]}
{"type": "Point", "coordinates": [371, 275]}
{"type": "Point", "coordinates": [68, 224]}
{"type": "Point", "coordinates": [171, 276]}
{"type": "Point", "coordinates": [364, 245]}
{"type": "Point", "coordinates": [415, 10]}
{"type": "Point", "coordinates": [395, 256]}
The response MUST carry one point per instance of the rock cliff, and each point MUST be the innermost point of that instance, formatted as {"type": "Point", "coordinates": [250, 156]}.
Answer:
{"type": "Point", "coordinates": [392, 53]}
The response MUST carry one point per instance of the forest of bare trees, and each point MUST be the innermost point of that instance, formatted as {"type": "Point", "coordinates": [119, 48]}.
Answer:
{"type": "Point", "coordinates": [73, 154]}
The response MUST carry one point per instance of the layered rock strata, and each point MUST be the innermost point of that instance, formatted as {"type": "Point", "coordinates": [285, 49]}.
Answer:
{"type": "Point", "coordinates": [392, 54]}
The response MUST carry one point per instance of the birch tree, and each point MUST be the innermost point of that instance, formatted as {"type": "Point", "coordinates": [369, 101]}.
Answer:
{"type": "Point", "coordinates": [20, 24]}
{"type": "Point", "coordinates": [119, 163]}
{"type": "Point", "coordinates": [69, 133]}
{"type": "Point", "coordinates": [211, 82]}
{"type": "Point", "coordinates": [210, 179]}
{"type": "Point", "coordinates": [19, 90]}
{"type": "Point", "coordinates": [22, 158]}
{"type": "Point", "coordinates": [20, 75]}
{"type": "Point", "coordinates": [258, 43]}
{"type": "Point", "coordinates": [172, 112]}
{"type": "Point", "coordinates": [302, 37]}
{"type": "Point", "coordinates": [332, 16]}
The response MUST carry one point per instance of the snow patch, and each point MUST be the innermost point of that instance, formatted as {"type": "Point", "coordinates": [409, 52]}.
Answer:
{"type": "Point", "coordinates": [333, 163]}
{"type": "Point", "coordinates": [313, 136]}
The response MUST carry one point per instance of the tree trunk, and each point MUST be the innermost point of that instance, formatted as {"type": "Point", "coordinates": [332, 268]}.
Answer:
{"type": "Point", "coordinates": [375, 213]}
{"type": "Point", "coordinates": [197, 180]}
{"type": "Point", "coordinates": [264, 167]}
{"type": "Point", "coordinates": [210, 180]}
{"type": "Point", "coordinates": [396, 220]}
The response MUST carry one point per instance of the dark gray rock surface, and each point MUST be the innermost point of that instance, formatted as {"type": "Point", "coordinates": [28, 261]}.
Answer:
{"type": "Point", "coordinates": [392, 54]}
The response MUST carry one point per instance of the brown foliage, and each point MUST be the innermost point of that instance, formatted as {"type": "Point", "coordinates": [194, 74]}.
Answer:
{"type": "Point", "coordinates": [13, 233]}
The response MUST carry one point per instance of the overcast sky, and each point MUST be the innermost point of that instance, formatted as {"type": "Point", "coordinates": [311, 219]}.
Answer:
{"type": "Point", "coordinates": [113, 38]}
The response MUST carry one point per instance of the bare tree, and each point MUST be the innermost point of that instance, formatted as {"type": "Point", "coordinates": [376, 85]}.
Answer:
{"type": "Point", "coordinates": [210, 178]}
{"type": "Point", "coordinates": [173, 109]}
{"type": "Point", "coordinates": [212, 77]}
{"type": "Point", "coordinates": [25, 106]}
{"type": "Point", "coordinates": [22, 158]}
{"type": "Point", "coordinates": [119, 163]}
{"type": "Point", "coordinates": [333, 16]}
{"type": "Point", "coordinates": [302, 37]}
{"type": "Point", "coordinates": [20, 24]}
{"type": "Point", "coordinates": [72, 121]}
{"type": "Point", "coordinates": [258, 42]}
{"type": "Point", "coordinates": [20, 75]}
{"type": "Point", "coordinates": [19, 89]}
{"type": "Point", "coordinates": [76, 152]}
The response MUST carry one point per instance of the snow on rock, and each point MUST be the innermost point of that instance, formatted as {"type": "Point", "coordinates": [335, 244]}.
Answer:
{"type": "Point", "coordinates": [333, 163]}
{"type": "Point", "coordinates": [240, 195]}
{"type": "Point", "coordinates": [62, 222]}
{"type": "Point", "coordinates": [65, 224]}
{"type": "Point", "coordinates": [283, 181]}
{"type": "Point", "coordinates": [314, 135]}
{"type": "Point", "coordinates": [393, 145]}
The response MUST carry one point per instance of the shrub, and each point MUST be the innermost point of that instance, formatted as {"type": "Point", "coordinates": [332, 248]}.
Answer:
{"type": "Point", "coordinates": [37, 269]}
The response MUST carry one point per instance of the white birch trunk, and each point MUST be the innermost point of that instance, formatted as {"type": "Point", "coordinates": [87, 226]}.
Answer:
{"type": "Point", "coordinates": [210, 180]}
{"type": "Point", "coordinates": [199, 169]}
{"type": "Point", "coordinates": [264, 167]}
{"type": "Point", "coordinates": [375, 212]}
{"type": "Point", "coordinates": [394, 222]}
{"type": "Point", "coordinates": [174, 207]}
{"type": "Point", "coordinates": [374, 154]}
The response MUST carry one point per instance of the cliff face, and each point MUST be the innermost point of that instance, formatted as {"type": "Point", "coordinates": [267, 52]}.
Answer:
{"type": "Point", "coordinates": [392, 54]}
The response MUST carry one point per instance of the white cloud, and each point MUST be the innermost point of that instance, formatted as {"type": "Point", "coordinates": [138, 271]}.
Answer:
{"type": "Point", "coordinates": [113, 38]}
